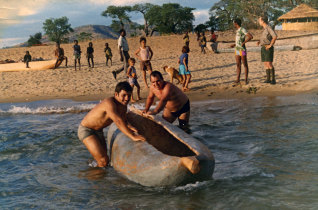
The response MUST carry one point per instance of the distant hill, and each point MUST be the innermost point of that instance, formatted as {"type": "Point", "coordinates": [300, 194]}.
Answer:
{"type": "Point", "coordinates": [97, 31]}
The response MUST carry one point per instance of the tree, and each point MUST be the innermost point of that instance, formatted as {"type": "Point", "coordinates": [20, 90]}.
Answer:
{"type": "Point", "coordinates": [143, 9]}
{"type": "Point", "coordinates": [225, 11]}
{"type": "Point", "coordinates": [57, 29]}
{"type": "Point", "coordinates": [35, 39]}
{"type": "Point", "coordinates": [84, 36]}
{"type": "Point", "coordinates": [119, 13]}
{"type": "Point", "coordinates": [200, 28]}
{"type": "Point", "coordinates": [170, 18]}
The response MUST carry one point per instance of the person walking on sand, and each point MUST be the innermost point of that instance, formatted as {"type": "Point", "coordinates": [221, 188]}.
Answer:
{"type": "Point", "coordinates": [108, 54]}
{"type": "Point", "coordinates": [186, 39]}
{"type": "Point", "coordinates": [90, 54]}
{"type": "Point", "coordinates": [27, 58]}
{"type": "Point", "coordinates": [241, 38]}
{"type": "Point", "coordinates": [59, 54]}
{"type": "Point", "coordinates": [202, 42]}
{"type": "Point", "coordinates": [144, 54]}
{"type": "Point", "coordinates": [184, 69]}
{"type": "Point", "coordinates": [267, 42]}
{"type": "Point", "coordinates": [132, 79]}
{"type": "Point", "coordinates": [123, 52]}
{"type": "Point", "coordinates": [112, 109]}
{"type": "Point", "coordinates": [174, 103]}
{"type": "Point", "coordinates": [77, 54]}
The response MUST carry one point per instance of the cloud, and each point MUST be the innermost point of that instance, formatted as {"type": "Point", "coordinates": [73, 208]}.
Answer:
{"type": "Point", "coordinates": [11, 12]}
{"type": "Point", "coordinates": [117, 2]}
{"type": "Point", "coordinates": [12, 41]}
{"type": "Point", "coordinates": [201, 16]}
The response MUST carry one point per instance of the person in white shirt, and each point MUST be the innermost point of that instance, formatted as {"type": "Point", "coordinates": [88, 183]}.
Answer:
{"type": "Point", "coordinates": [123, 51]}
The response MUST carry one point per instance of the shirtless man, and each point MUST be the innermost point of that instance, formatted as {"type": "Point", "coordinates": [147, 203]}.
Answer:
{"type": "Point", "coordinates": [59, 54]}
{"type": "Point", "coordinates": [112, 109]}
{"type": "Point", "coordinates": [174, 102]}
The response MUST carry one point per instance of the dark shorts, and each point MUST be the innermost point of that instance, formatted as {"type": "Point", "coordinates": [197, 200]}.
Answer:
{"type": "Point", "coordinates": [145, 65]}
{"type": "Point", "coordinates": [84, 132]}
{"type": "Point", "coordinates": [184, 109]}
{"type": "Point", "coordinates": [267, 55]}
{"type": "Point", "coordinates": [90, 55]}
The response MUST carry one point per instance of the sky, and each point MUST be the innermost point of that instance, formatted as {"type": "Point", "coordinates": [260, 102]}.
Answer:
{"type": "Point", "coordinates": [21, 18]}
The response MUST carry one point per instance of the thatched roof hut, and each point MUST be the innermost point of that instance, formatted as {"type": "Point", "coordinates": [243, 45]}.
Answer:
{"type": "Point", "coordinates": [303, 17]}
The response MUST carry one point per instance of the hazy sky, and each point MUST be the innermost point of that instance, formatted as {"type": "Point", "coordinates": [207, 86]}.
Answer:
{"type": "Point", "coordinates": [21, 18]}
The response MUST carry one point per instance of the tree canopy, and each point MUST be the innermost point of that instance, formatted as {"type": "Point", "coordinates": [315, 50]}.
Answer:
{"type": "Point", "coordinates": [120, 14]}
{"type": "Point", "coordinates": [224, 12]}
{"type": "Point", "coordinates": [170, 18]}
{"type": "Point", "coordinates": [143, 9]}
{"type": "Point", "coordinates": [84, 36]}
{"type": "Point", "coordinates": [57, 29]}
{"type": "Point", "coordinates": [35, 39]}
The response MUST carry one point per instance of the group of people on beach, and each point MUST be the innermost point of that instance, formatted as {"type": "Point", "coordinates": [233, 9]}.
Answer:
{"type": "Point", "coordinates": [171, 100]}
{"type": "Point", "coordinates": [60, 55]}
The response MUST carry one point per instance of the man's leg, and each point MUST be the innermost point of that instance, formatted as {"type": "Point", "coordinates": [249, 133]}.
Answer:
{"type": "Point", "coordinates": [238, 68]}
{"type": "Point", "coordinates": [168, 116]}
{"type": "Point", "coordinates": [244, 60]}
{"type": "Point", "coordinates": [97, 150]}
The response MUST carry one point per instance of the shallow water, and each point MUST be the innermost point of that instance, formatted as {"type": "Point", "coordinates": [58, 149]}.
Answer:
{"type": "Point", "coordinates": [265, 148]}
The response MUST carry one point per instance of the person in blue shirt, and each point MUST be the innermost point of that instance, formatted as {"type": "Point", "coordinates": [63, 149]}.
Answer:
{"type": "Point", "coordinates": [184, 69]}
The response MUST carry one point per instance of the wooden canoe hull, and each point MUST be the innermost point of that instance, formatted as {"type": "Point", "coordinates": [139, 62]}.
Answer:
{"type": "Point", "coordinates": [34, 65]}
{"type": "Point", "coordinates": [151, 165]}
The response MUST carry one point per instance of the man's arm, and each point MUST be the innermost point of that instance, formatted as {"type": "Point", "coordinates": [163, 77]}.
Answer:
{"type": "Point", "coordinates": [149, 101]}
{"type": "Point", "coordinates": [248, 37]}
{"type": "Point", "coordinates": [163, 101]}
{"type": "Point", "coordinates": [151, 53]}
{"type": "Point", "coordinates": [120, 122]}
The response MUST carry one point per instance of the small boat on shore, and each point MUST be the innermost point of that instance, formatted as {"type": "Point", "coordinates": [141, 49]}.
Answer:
{"type": "Point", "coordinates": [168, 157]}
{"type": "Point", "coordinates": [34, 65]}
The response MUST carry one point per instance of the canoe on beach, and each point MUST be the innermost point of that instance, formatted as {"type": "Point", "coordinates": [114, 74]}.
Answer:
{"type": "Point", "coordinates": [34, 65]}
{"type": "Point", "coordinates": [162, 160]}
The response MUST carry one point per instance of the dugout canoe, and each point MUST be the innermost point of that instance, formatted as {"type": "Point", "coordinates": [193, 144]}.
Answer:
{"type": "Point", "coordinates": [162, 160]}
{"type": "Point", "coordinates": [34, 65]}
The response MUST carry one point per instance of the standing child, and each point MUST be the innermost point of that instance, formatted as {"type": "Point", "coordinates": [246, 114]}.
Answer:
{"type": "Point", "coordinates": [132, 78]}
{"type": "Point", "coordinates": [90, 54]}
{"type": "Point", "coordinates": [108, 54]}
{"type": "Point", "coordinates": [27, 58]}
{"type": "Point", "coordinates": [144, 53]}
{"type": "Point", "coordinates": [186, 39]}
{"type": "Point", "coordinates": [202, 42]}
{"type": "Point", "coordinates": [77, 54]}
{"type": "Point", "coordinates": [184, 69]}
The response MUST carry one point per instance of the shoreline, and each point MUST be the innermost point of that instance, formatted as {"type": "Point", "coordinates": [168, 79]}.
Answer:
{"type": "Point", "coordinates": [198, 95]}
{"type": "Point", "coordinates": [212, 74]}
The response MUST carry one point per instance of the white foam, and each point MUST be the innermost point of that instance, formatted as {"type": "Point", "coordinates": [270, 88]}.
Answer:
{"type": "Point", "coordinates": [48, 109]}
{"type": "Point", "coordinates": [190, 187]}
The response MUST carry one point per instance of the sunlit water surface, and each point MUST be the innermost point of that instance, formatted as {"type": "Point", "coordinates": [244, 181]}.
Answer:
{"type": "Point", "coordinates": [266, 153]}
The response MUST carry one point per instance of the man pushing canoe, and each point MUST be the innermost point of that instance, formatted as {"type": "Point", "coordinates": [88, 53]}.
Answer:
{"type": "Point", "coordinates": [175, 104]}
{"type": "Point", "coordinates": [112, 109]}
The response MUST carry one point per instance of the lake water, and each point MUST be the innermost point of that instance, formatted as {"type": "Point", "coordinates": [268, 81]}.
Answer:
{"type": "Point", "coordinates": [266, 152]}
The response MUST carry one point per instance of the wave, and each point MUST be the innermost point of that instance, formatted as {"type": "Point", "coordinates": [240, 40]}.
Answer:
{"type": "Point", "coordinates": [14, 109]}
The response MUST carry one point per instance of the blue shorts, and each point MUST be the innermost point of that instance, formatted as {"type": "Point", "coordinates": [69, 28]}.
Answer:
{"type": "Point", "coordinates": [182, 70]}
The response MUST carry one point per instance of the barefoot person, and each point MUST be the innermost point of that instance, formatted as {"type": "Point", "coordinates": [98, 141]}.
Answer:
{"type": "Point", "coordinates": [242, 37]}
{"type": "Point", "coordinates": [184, 68]}
{"type": "Point", "coordinates": [267, 42]}
{"type": "Point", "coordinates": [132, 79]}
{"type": "Point", "coordinates": [144, 54]}
{"type": "Point", "coordinates": [77, 54]}
{"type": "Point", "coordinates": [171, 99]}
{"type": "Point", "coordinates": [60, 57]}
{"type": "Point", "coordinates": [112, 109]}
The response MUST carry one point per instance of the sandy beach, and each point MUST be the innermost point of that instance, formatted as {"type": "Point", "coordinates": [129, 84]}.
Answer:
{"type": "Point", "coordinates": [212, 74]}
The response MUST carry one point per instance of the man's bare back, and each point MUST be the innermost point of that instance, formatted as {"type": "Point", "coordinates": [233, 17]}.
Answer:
{"type": "Point", "coordinates": [98, 118]}
{"type": "Point", "coordinates": [171, 99]}
{"type": "Point", "coordinates": [174, 96]}
{"type": "Point", "coordinates": [112, 109]}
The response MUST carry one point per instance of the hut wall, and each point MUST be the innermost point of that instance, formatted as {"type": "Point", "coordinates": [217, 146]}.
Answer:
{"type": "Point", "coordinates": [304, 26]}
